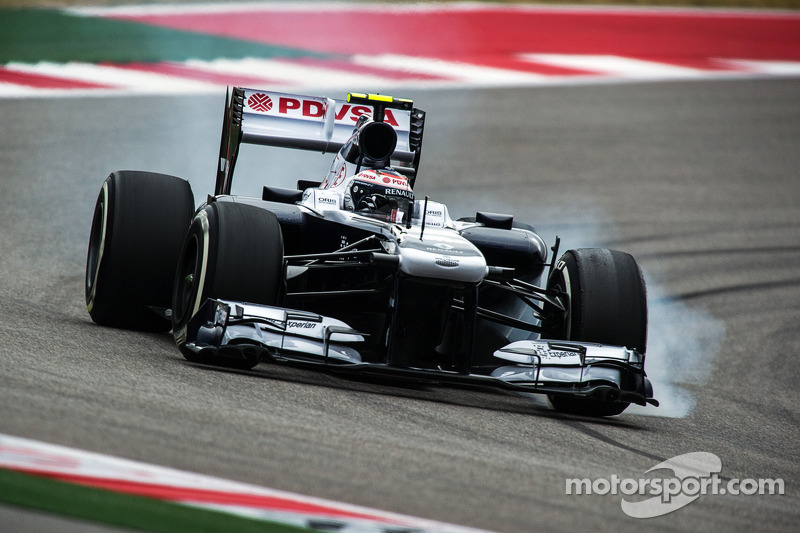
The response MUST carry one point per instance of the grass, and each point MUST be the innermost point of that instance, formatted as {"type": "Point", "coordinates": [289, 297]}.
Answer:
{"type": "Point", "coordinates": [32, 35]}
{"type": "Point", "coordinates": [123, 510]}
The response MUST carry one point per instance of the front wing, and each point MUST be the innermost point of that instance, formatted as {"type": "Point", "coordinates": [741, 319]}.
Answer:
{"type": "Point", "coordinates": [242, 335]}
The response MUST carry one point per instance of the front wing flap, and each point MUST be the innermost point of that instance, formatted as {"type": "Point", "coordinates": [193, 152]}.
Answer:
{"type": "Point", "coordinates": [613, 373]}
{"type": "Point", "coordinates": [608, 373]}
{"type": "Point", "coordinates": [219, 324]}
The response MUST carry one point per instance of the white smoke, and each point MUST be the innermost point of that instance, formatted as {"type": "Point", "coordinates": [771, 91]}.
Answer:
{"type": "Point", "coordinates": [683, 340]}
{"type": "Point", "coordinates": [681, 347]}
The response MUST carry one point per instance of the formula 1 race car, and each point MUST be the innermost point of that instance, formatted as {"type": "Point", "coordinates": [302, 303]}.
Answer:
{"type": "Point", "coordinates": [355, 274]}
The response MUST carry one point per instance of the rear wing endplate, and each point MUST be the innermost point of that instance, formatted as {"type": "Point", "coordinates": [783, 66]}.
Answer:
{"type": "Point", "coordinates": [312, 123]}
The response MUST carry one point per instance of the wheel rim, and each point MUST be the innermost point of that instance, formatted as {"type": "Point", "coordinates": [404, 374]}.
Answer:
{"type": "Point", "coordinates": [185, 280]}
{"type": "Point", "coordinates": [97, 240]}
{"type": "Point", "coordinates": [561, 329]}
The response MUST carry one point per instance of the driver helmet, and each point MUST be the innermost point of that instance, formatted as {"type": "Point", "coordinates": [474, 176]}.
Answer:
{"type": "Point", "coordinates": [381, 194]}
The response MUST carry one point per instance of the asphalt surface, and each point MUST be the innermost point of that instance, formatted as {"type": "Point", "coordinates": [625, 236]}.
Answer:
{"type": "Point", "coordinates": [698, 180]}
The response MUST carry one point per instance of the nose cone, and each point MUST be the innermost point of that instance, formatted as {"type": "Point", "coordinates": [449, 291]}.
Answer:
{"type": "Point", "coordinates": [441, 254]}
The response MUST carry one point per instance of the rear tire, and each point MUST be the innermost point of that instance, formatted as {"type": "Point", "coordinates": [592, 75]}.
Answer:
{"type": "Point", "coordinates": [231, 252]}
{"type": "Point", "coordinates": [139, 222]}
{"type": "Point", "coordinates": [607, 305]}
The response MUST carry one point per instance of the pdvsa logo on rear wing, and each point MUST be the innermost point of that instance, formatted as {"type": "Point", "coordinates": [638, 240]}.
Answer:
{"type": "Point", "coordinates": [315, 108]}
{"type": "Point", "coordinates": [315, 123]}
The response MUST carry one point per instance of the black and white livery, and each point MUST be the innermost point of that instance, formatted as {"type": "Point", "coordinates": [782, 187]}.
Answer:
{"type": "Point", "coordinates": [353, 273]}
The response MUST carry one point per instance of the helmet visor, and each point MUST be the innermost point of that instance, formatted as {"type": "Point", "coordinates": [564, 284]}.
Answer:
{"type": "Point", "coordinates": [389, 204]}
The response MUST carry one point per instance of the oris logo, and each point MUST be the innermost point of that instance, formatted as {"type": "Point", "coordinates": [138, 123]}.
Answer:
{"type": "Point", "coordinates": [260, 102]}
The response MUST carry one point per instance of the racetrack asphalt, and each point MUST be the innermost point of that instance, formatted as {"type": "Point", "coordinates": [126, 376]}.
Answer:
{"type": "Point", "coordinates": [698, 180]}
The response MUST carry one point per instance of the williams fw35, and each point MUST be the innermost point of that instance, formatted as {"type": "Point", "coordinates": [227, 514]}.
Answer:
{"type": "Point", "coordinates": [353, 273]}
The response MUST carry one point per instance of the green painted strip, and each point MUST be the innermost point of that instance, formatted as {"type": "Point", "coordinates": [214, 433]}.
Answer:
{"type": "Point", "coordinates": [33, 35]}
{"type": "Point", "coordinates": [123, 510]}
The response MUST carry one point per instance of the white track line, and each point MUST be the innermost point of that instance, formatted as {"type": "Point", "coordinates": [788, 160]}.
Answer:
{"type": "Point", "coordinates": [12, 89]}
{"type": "Point", "coordinates": [775, 68]}
{"type": "Point", "coordinates": [144, 82]}
{"type": "Point", "coordinates": [289, 73]}
{"type": "Point", "coordinates": [624, 67]}
{"type": "Point", "coordinates": [459, 72]}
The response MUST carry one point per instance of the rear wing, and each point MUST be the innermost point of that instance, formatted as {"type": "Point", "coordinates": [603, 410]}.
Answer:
{"type": "Point", "coordinates": [312, 123]}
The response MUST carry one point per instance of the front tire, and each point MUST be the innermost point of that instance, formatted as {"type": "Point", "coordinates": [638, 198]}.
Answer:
{"type": "Point", "coordinates": [139, 222]}
{"type": "Point", "coordinates": [607, 305]}
{"type": "Point", "coordinates": [232, 252]}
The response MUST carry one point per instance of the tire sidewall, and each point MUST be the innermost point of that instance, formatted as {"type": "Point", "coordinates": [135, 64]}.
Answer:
{"type": "Point", "coordinates": [607, 298]}
{"type": "Point", "coordinates": [246, 267]}
{"type": "Point", "coordinates": [99, 238]}
{"type": "Point", "coordinates": [138, 225]}
{"type": "Point", "coordinates": [194, 261]}
{"type": "Point", "coordinates": [607, 304]}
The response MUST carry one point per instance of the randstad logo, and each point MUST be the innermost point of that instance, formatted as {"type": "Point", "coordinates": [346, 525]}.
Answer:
{"type": "Point", "coordinates": [693, 475]}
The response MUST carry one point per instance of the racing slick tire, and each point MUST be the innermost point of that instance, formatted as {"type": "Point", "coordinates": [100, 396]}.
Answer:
{"type": "Point", "coordinates": [608, 305]}
{"type": "Point", "coordinates": [139, 221]}
{"type": "Point", "coordinates": [232, 252]}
